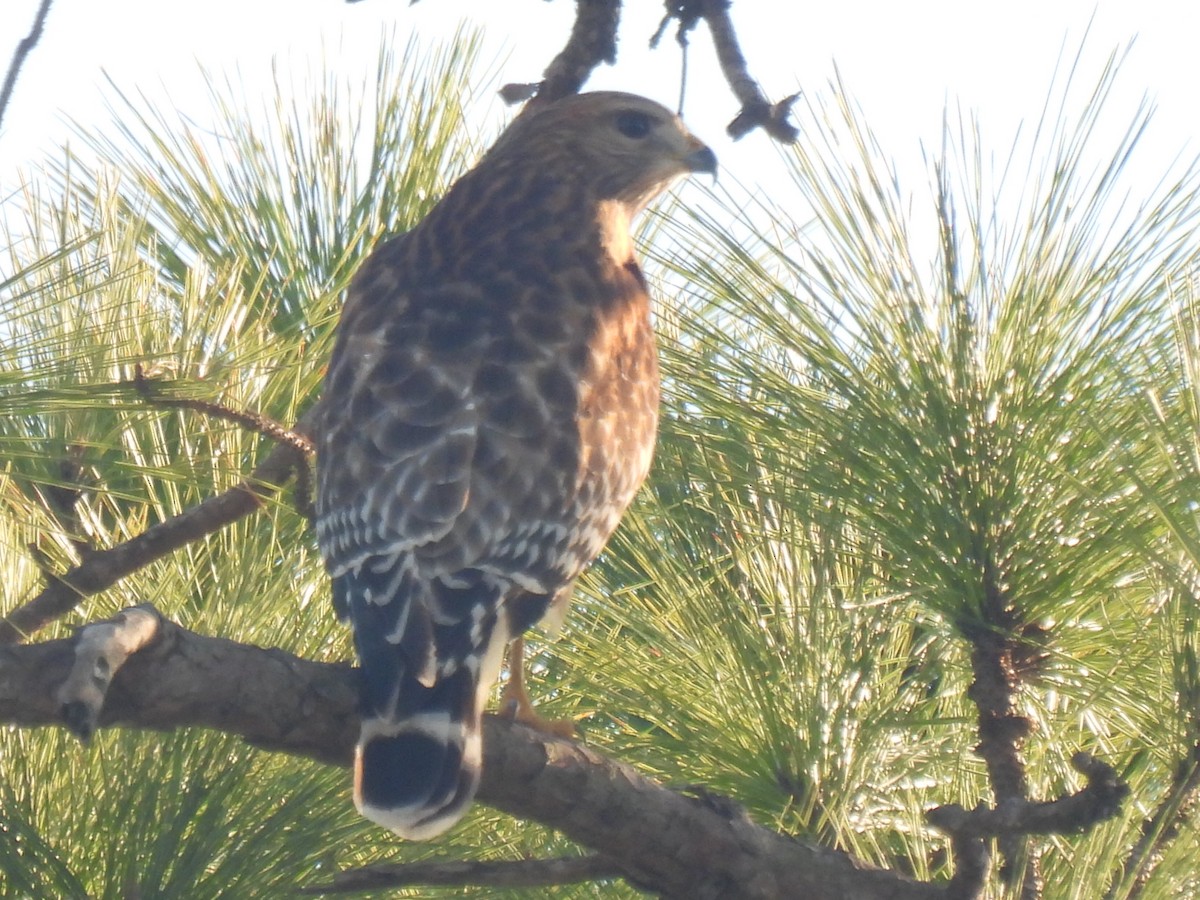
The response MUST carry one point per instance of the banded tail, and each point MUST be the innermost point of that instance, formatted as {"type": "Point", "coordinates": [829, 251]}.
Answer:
{"type": "Point", "coordinates": [430, 653]}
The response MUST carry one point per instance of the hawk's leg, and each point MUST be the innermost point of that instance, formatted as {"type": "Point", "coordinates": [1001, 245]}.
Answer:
{"type": "Point", "coordinates": [515, 703]}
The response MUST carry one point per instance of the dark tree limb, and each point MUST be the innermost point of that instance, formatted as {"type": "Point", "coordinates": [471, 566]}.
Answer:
{"type": "Point", "coordinates": [24, 48]}
{"type": "Point", "coordinates": [664, 841]}
{"type": "Point", "coordinates": [972, 861]}
{"type": "Point", "coordinates": [269, 697]}
{"type": "Point", "coordinates": [1098, 800]}
{"type": "Point", "coordinates": [1003, 652]}
{"type": "Point", "coordinates": [757, 110]}
{"type": "Point", "coordinates": [1002, 733]}
{"type": "Point", "coordinates": [102, 569]}
{"type": "Point", "coordinates": [525, 873]}
{"type": "Point", "coordinates": [593, 41]}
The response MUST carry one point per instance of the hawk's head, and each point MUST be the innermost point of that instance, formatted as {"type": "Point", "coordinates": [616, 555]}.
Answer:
{"type": "Point", "coordinates": [627, 148]}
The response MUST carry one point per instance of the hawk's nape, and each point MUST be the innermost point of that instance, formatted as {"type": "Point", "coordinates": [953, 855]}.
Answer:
{"type": "Point", "coordinates": [489, 412]}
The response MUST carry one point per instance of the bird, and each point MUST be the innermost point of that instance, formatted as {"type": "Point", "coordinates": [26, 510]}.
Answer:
{"type": "Point", "coordinates": [489, 411]}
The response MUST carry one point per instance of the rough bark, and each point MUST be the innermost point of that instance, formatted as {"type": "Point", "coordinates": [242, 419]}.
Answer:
{"type": "Point", "coordinates": [662, 840]}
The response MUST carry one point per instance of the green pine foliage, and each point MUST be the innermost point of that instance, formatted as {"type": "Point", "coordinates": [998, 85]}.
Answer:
{"type": "Point", "coordinates": [881, 404]}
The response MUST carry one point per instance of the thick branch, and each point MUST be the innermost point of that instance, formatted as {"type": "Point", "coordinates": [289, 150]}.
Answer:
{"type": "Point", "coordinates": [101, 650]}
{"type": "Point", "coordinates": [102, 569]}
{"type": "Point", "coordinates": [525, 873]}
{"type": "Point", "coordinates": [269, 697]}
{"type": "Point", "coordinates": [676, 845]}
{"type": "Point", "coordinates": [1100, 799]}
{"type": "Point", "coordinates": [996, 660]}
{"type": "Point", "coordinates": [593, 41]}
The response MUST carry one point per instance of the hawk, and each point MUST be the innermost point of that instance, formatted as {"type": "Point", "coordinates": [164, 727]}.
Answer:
{"type": "Point", "coordinates": [489, 412]}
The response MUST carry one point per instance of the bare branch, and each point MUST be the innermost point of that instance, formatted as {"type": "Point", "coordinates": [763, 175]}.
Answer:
{"type": "Point", "coordinates": [525, 873]}
{"type": "Point", "coordinates": [971, 864]}
{"type": "Point", "coordinates": [663, 840]}
{"type": "Point", "coordinates": [757, 110]}
{"type": "Point", "coordinates": [24, 48]}
{"type": "Point", "coordinates": [102, 569]}
{"type": "Point", "coordinates": [593, 41]}
{"type": "Point", "coordinates": [998, 655]}
{"type": "Point", "coordinates": [251, 421]}
{"type": "Point", "coordinates": [1100, 799]}
{"type": "Point", "coordinates": [269, 697]}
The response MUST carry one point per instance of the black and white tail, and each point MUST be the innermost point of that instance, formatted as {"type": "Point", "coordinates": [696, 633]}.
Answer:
{"type": "Point", "coordinates": [429, 655]}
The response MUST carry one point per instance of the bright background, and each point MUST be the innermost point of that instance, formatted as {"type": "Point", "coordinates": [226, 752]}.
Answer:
{"type": "Point", "coordinates": [903, 63]}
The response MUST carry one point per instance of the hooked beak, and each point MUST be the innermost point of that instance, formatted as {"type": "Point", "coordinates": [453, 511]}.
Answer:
{"type": "Point", "coordinates": [702, 159]}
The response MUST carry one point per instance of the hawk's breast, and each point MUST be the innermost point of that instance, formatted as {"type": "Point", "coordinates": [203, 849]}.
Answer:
{"type": "Point", "coordinates": [618, 412]}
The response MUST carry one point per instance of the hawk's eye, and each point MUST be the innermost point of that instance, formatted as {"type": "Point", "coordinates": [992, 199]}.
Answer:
{"type": "Point", "coordinates": [633, 124]}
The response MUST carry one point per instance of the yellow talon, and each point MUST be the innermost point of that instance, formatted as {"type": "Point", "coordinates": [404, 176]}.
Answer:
{"type": "Point", "coordinates": [515, 703]}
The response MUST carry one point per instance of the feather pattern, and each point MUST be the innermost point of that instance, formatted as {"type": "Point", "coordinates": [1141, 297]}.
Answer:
{"type": "Point", "coordinates": [489, 412]}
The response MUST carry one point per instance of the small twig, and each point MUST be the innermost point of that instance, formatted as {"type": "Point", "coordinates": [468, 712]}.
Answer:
{"type": "Point", "coordinates": [525, 873]}
{"type": "Point", "coordinates": [593, 41]}
{"type": "Point", "coordinates": [251, 421]}
{"type": "Point", "coordinates": [687, 16]}
{"type": "Point", "coordinates": [104, 568]}
{"type": "Point", "coordinates": [24, 48]}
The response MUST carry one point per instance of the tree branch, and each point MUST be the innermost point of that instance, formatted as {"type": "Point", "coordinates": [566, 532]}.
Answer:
{"type": "Point", "coordinates": [525, 873]}
{"type": "Point", "coordinates": [1100, 799]}
{"type": "Point", "coordinates": [101, 649]}
{"type": "Point", "coordinates": [757, 110]}
{"type": "Point", "coordinates": [296, 437]}
{"type": "Point", "coordinates": [247, 419]}
{"type": "Point", "coordinates": [593, 41]}
{"type": "Point", "coordinates": [676, 845]}
{"type": "Point", "coordinates": [1000, 657]}
{"type": "Point", "coordinates": [102, 569]}
{"type": "Point", "coordinates": [24, 48]}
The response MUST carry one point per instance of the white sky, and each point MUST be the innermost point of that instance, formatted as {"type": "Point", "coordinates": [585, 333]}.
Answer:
{"type": "Point", "coordinates": [902, 61]}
